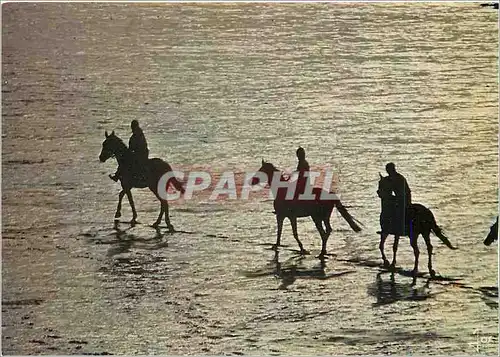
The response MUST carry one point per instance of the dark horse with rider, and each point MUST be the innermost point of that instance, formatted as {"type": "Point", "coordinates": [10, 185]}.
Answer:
{"type": "Point", "coordinates": [400, 217]}
{"type": "Point", "coordinates": [137, 170]}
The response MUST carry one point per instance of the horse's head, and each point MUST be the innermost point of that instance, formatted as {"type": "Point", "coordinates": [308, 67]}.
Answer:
{"type": "Point", "coordinates": [384, 187]}
{"type": "Point", "coordinates": [493, 235]}
{"type": "Point", "coordinates": [267, 169]}
{"type": "Point", "coordinates": [111, 146]}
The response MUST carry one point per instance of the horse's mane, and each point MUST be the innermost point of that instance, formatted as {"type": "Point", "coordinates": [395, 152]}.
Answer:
{"type": "Point", "coordinates": [272, 166]}
{"type": "Point", "coordinates": [384, 179]}
{"type": "Point", "coordinates": [119, 141]}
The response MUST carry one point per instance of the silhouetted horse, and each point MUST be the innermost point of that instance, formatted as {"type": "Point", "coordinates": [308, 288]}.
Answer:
{"type": "Point", "coordinates": [420, 221]}
{"type": "Point", "coordinates": [493, 235]}
{"type": "Point", "coordinates": [154, 169]}
{"type": "Point", "coordinates": [319, 210]}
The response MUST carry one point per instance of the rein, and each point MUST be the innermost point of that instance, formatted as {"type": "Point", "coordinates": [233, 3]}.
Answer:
{"type": "Point", "coordinates": [271, 175]}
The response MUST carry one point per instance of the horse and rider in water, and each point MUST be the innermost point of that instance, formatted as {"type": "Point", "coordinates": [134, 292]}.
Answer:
{"type": "Point", "coordinates": [400, 217]}
{"type": "Point", "coordinates": [316, 207]}
{"type": "Point", "coordinates": [137, 170]}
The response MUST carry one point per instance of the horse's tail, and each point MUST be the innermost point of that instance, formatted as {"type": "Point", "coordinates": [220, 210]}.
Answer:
{"type": "Point", "coordinates": [177, 184]}
{"type": "Point", "coordinates": [165, 166]}
{"type": "Point", "coordinates": [438, 231]}
{"type": "Point", "coordinates": [493, 235]}
{"type": "Point", "coordinates": [347, 216]}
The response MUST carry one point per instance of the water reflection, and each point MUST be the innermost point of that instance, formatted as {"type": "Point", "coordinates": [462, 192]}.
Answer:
{"type": "Point", "coordinates": [388, 290]}
{"type": "Point", "coordinates": [490, 296]}
{"type": "Point", "coordinates": [293, 268]}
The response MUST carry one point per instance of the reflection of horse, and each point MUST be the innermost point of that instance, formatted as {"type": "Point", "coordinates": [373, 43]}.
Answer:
{"type": "Point", "coordinates": [293, 268]}
{"type": "Point", "coordinates": [155, 169]}
{"type": "Point", "coordinates": [493, 235]}
{"type": "Point", "coordinates": [420, 220]}
{"type": "Point", "coordinates": [390, 291]}
{"type": "Point", "coordinates": [318, 209]}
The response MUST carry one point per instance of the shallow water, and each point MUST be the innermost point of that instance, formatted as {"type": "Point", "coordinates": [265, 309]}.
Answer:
{"type": "Point", "coordinates": [220, 87]}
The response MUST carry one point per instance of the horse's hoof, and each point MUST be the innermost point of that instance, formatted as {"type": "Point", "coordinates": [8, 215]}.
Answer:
{"type": "Point", "coordinates": [304, 252]}
{"type": "Point", "coordinates": [392, 267]}
{"type": "Point", "coordinates": [118, 215]}
{"type": "Point", "coordinates": [155, 225]}
{"type": "Point", "coordinates": [414, 273]}
{"type": "Point", "coordinates": [386, 264]}
{"type": "Point", "coordinates": [432, 272]}
{"type": "Point", "coordinates": [170, 228]}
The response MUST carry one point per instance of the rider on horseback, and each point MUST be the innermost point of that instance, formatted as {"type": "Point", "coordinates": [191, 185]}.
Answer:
{"type": "Point", "coordinates": [302, 168]}
{"type": "Point", "coordinates": [402, 196]}
{"type": "Point", "coordinates": [139, 148]}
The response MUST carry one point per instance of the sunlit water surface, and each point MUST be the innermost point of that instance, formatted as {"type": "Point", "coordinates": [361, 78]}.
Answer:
{"type": "Point", "coordinates": [219, 87]}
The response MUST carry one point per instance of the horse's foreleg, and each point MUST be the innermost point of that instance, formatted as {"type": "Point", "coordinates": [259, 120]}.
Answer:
{"type": "Point", "coordinates": [118, 213]}
{"type": "Point", "coordinates": [394, 251]}
{"type": "Point", "coordinates": [132, 205]}
{"type": "Point", "coordinates": [279, 222]}
{"type": "Point", "coordinates": [427, 239]}
{"type": "Point", "coordinates": [293, 222]}
{"type": "Point", "coordinates": [167, 217]}
{"type": "Point", "coordinates": [383, 237]}
{"type": "Point", "coordinates": [416, 252]}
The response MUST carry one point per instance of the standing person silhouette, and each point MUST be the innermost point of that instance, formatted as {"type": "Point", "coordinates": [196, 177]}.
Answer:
{"type": "Point", "coordinates": [139, 149]}
{"type": "Point", "coordinates": [302, 168]}
{"type": "Point", "coordinates": [402, 195]}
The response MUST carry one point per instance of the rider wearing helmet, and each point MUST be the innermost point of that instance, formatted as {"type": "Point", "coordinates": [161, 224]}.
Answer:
{"type": "Point", "coordinates": [137, 143]}
{"type": "Point", "coordinates": [302, 168]}
{"type": "Point", "coordinates": [402, 194]}
{"type": "Point", "coordinates": [138, 146]}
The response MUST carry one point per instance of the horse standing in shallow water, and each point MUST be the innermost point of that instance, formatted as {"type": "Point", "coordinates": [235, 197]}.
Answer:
{"type": "Point", "coordinates": [155, 168]}
{"type": "Point", "coordinates": [318, 209]}
{"type": "Point", "coordinates": [420, 220]}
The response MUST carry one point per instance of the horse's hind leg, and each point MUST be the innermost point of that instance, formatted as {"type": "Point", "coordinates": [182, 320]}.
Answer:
{"type": "Point", "coordinates": [118, 213]}
{"type": "Point", "coordinates": [383, 237]}
{"type": "Point", "coordinates": [416, 252]}
{"type": "Point", "coordinates": [162, 210]}
{"type": "Point", "coordinates": [328, 226]}
{"type": "Point", "coordinates": [167, 217]}
{"type": "Point", "coordinates": [394, 251]}
{"type": "Point", "coordinates": [324, 237]}
{"type": "Point", "coordinates": [427, 239]}
{"type": "Point", "coordinates": [293, 222]}
{"type": "Point", "coordinates": [132, 205]}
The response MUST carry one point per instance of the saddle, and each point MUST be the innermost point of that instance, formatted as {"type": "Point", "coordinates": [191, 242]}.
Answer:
{"type": "Point", "coordinates": [139, 171]}
{"type": "Point", "coordinates": [399, 222]}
